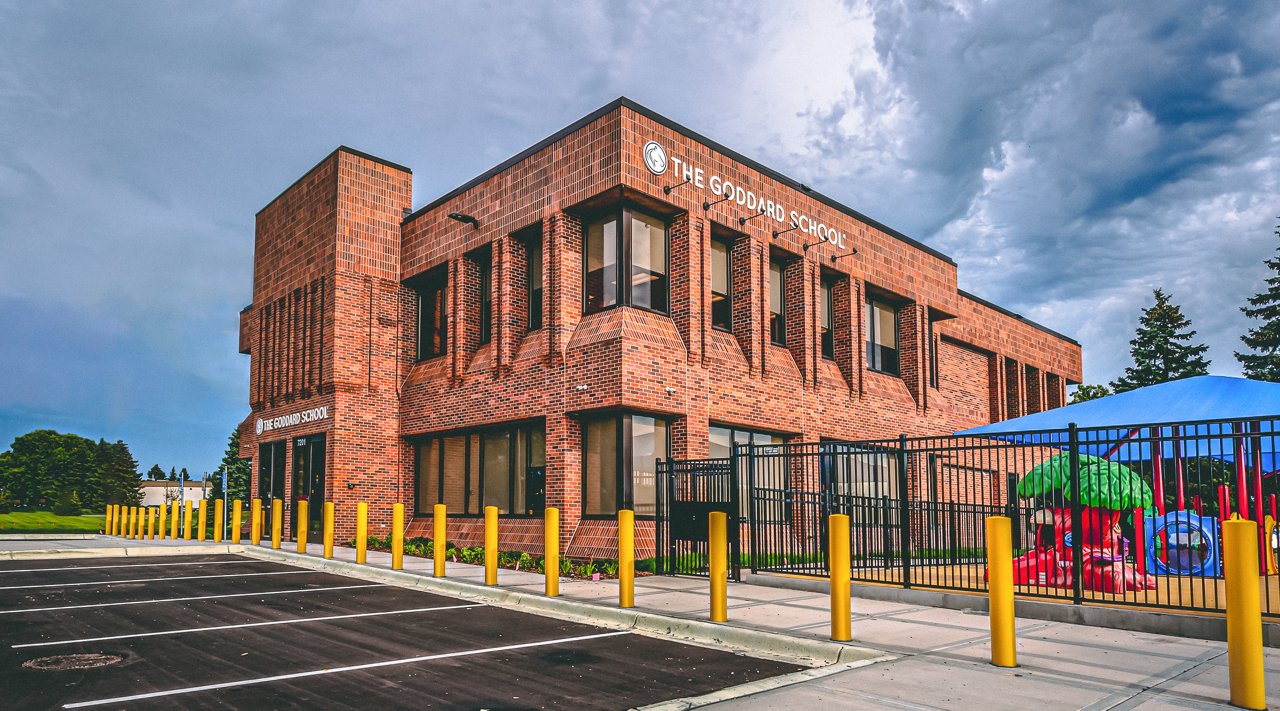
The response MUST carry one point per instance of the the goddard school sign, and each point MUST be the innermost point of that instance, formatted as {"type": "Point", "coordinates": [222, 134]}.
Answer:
{"type": "Point", "coordinates": [274, 423]}
{"type": "Point", "coordinates": [657, 161]}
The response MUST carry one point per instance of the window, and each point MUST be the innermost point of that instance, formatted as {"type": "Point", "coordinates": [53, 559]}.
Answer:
{"type": "Point", "coordinates": [619, 470]}
{"type": "Point", "coordinates": [503, 467]}
{"type": "Point", "coordinates": [826, 318]}
{"type": "Point", "coordinates": [533, 252]}
{"type": "Point", "coordinates": [485, 262]}
{"type": "Point", "coordinates": [882, 337]}
{"type": "Point", "coordinates": [432, 324]}
{"type": "Point", "coordinates": [933, 358]}
{"type": "Point", "coordinates": [628, 243]}
{"type": "Point", "coordinates": [721, 306]}
{"type": "Point", "coordinates": [777, 301]}
{"type": "Point", "coordinates": [771, 472]}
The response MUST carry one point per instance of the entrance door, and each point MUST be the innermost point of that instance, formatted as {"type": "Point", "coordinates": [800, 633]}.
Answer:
{"type": "Point", "coordinates": [308, 480]}
{"type": "Point", "coordinates": [270, 478]}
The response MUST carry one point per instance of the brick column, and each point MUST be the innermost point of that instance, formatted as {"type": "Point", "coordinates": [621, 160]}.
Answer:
{"type": "Point", "coordinates": [747, 291]}
{"type": "Point", "coordinates": [562, 279]}
{"type": "Point", "coordinates": [564, 472]}
{"type": "Point", "coordinates": [689, 283]}
{"type": "Point", "coordinates": [911, 335]}
{"type": "Point", "coordinates": [845, 312]}
{"type": "Point", "coordinates": [799, 301]}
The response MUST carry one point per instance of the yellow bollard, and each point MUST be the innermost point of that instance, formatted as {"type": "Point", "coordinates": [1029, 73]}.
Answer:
{"type": "Point", "coordinates": [151, 523]}
{"type": "Point", "coordinates": [551, 550]}
{"type": "Point", "coordinates": [491, 545]}
{"type": "Point", "coordinates": [1004, 644]}
{"type": "Point", "coordinates": [397, 537]}
{"type": "Point", "coordinates": [626, 558]}
{"type": "Point", "coordinates": [255, 522]}
{"type": "Point", "coordinates": [1244, 614]}
{"type": "Point", "coordinates": [362, 532]}
{"type": "Point", "coordinates": [277, 521]}
{"type": "Point", "coordinates": [237, 509]}
{"type": "Point", "coordinates": [219, 522]}
{"type": "Point", "coordinates": [302, 512]}
{"type": "Point", "coordinates": [439, 532]}
{"type": "Point", "coordinates": [202, 522]}
{"type": "Point", "coordinates": [173, 521]}
{"type": "Point", "coordinates": [186, 520]}
{"type": "Point", "coordinates": [162, 519]}
{"type": "Point", "coordinates": [718, 542]}
{"type": "Point", "coordinates": [328, 529]}
{"type": "Point", "coordinates": [838, 546]}
{"type": "Point", "coordinates": [127, 531]}
{"type": "Point", "coordinates": [106, 522]}
{"type": "Point", "coordinates": [135, 522]}
{"type": "Point", "coordinates": [109, 529]}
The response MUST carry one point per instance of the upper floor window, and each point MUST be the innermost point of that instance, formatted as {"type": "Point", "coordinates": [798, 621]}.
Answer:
{"type": "Point", "coordinates": [777, 303]}
{"type": "Point", "coordinates": [933, 357]}
{"type": "Point", "coordinates": [533, 253]}
{"type": "Point", "coordinates": [882, 336]}
{"type": "Point", "coordinates": [433, 332]}
{"type": "Point", "coordinates": [485, 262]}
{"type": "Point", "coordinates": [826, 317]}
{"type": "Point", "coordinates": [721, 306]}
{"type": "Point", "coordinates": [625, 262]}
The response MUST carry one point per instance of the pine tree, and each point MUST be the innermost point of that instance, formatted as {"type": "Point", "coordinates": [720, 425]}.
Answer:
{"type": "Point", "coordinates": [155, 473]}
{"type": "Point", "coordinates": [1161, 348]}
{"type": "Point", "coordinates": [1263, 362]}
{"type": "Point", "coordinates": [184, 475]}
{"type": "Point", "coordinates": [173, 474]}
{"type": "Point", "coordinates": [1085, 393]}
{"type": "Point", "coordinates": [236, 469]}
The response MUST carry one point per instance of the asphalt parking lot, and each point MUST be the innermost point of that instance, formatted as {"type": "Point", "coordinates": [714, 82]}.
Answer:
{"type": "Point", "coordinates": [225, 631]}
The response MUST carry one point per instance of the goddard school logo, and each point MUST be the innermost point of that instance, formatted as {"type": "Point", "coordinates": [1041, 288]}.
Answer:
{"type": "Point", "coordinates": [655, 158]}
{"type": "Point", "coordinates": [297, 418]}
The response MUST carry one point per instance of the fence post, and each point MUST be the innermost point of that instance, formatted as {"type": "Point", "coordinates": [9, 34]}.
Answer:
{"type": "Point", "coordinates": [439, 546]}
{"type": "Point", "coordinates": [904, 512]}
{"type": "Point", "coordinates": [626, 558]}
{"type": "Point", "coordinates": [751, 500]}
{"type": "Point", "coordinates": [362, 532]}
{"type": "Point", "coordinates": [1077, 521]}
{"type": "Point", "coordinates": [669, 561]}
{"type": "Point", "coordinates": [719, 549]}
{"type": "Point", "coordinates": [841, 614]}
{"type": "Point", "coordinates": [1244, 615]}
{"type": "Point", "coordinates": [1011, 507]}
{"type": "Point", "coordinates": [735, 515]}
{"type": "Point", "coordinates": [328, 529]}
{"type": "Point", "coordinates": [551, 550]}
{"type": "Point", "coordinates": [1004, 646]}
{"type": "Point", "coordinates": [397, 536]}
{"type": "Point", "coordinates": [491, 545]}
{"type": "Point", "coordinates": [237, 514]}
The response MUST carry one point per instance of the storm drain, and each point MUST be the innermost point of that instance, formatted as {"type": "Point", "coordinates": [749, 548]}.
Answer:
{"type": "Point", "coordinates": [71, 662]}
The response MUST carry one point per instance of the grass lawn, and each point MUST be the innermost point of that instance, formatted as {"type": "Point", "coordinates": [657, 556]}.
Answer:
{"type": "Point", "coordinates": [46, 522]}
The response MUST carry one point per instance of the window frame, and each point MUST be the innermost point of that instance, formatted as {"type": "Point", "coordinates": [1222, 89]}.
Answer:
{"type": "Point", "coordinates": [873, 356]}
{"type": "Point", "coordinates": [533, 302]}
{"type": "Point", "coordinates": [436, 282]}
{"type": "Point", "coordinates": [782, 301]}
{"type": "Point", "coordinates": [827, 303]}
{"type": "Point", "coordinates": [935, 379]}
{"type": "Point", "coordinates": [728, 282]}
{"type": "Point", "coordinates": [623, 451]}
{"type": "Point", "coordinates": [622, 234]}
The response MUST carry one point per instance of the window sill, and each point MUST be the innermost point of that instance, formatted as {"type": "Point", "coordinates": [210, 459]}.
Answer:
{"type": "Point", "coordinates": [430, 358]}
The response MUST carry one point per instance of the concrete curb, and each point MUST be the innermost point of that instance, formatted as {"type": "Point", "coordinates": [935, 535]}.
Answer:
{"type": "Point", "coordinates": [754, 687]}
{"type": "Point", "coordinates": [50, 536]}
{"type": "Point", "coordinates": [124, 552]}
{"type": "Point", "coordinates": [1192, 626]}
{"type": "Point", "coordinates": [809, 652]}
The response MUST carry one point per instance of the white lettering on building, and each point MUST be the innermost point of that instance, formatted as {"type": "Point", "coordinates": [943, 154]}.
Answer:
{"type": "Point", "coordinates": [315, 414]}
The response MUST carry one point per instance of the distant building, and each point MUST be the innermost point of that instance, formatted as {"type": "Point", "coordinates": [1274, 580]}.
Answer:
{"type": "Point", "coordinates": [157, 493]}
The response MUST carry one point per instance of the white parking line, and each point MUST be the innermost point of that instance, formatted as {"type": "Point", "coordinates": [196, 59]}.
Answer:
{"type": "Point", "coordinates": [189, 599]}
{"type": "Point", "coordinates": [248, 624]}
{"type": "Point", "coordinates": [136, 565]}
{"type": "Point", "coordinates": [337, 670]}
{"type": "Point", "coordinates": [152, 580]}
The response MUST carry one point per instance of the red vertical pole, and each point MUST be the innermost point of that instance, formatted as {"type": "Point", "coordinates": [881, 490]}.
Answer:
{"type": "Point", "coordinates": [1224, 503]}
{"type": "Point", "coordinates": [1242, 479]}
{"type": "Point", "coordinates": [1139, 542]}
{"type": "Point", "coordinates": [1198, 505]}
{"type": "Point", "coordinates": [1157, 470]}
{"type": "Point", "coordinates": [1273, 508]}
{"type": "Point", "coordinates": [1181, 492]}
{"type": "Point", "coordinates": [1255, 452]}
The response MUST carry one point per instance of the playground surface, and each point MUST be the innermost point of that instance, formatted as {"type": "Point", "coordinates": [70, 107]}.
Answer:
{"type": "Point", "coordinates": [935, 658]}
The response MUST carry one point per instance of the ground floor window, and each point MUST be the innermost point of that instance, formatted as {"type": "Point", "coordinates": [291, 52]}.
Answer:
{"type": "Point", "coordinates": [771, 469]}
{"type": "Point", "coordinates": [497, 466]}
{"type": "Point", "coordinates": [619, 463]}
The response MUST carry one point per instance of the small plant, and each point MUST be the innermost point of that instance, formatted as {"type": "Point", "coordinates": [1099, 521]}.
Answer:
{"type": "Point", "coordinates": [609, 568]}
{"type": "Point", "coordinates": [566, 566]}
{"type": "Point", "coordinates": [588, 569]}
{"type": "Point", "coordinates": [525, 562]}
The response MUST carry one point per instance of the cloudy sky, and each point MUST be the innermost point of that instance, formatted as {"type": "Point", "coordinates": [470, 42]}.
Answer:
{"type": "Point", "coordinates": [1070, 156]}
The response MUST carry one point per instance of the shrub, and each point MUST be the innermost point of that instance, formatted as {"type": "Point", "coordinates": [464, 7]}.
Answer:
{"type": "Point", "coordinates": [67, 504]}
{"type": "Point", "coordinates": [6, 503]}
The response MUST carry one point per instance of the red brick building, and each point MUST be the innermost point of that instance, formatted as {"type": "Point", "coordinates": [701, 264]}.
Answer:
{"type": "Point", "coordinates": [623, 290]}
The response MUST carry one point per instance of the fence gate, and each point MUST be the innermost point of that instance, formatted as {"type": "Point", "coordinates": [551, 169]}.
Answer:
{"type": "Point", "coordinates": [689, 491]}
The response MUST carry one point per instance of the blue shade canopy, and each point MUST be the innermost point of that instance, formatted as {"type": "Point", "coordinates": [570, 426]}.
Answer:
{"type": "Point", "coordinates": [1109, 426]}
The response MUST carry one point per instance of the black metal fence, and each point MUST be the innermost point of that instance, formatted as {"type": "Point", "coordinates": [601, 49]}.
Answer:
{"type": "Point", "coordinates": [691, 490]}
{"type": "Point", "coordinates": [1125, 515]}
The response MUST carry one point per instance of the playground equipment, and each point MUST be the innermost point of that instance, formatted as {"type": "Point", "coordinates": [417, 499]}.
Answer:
{"type": "Point", "coordinates": [1183, 543]}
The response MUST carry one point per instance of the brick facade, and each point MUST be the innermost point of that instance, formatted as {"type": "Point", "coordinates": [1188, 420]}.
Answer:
{"type": "Point", "coordinates": [334, 321]}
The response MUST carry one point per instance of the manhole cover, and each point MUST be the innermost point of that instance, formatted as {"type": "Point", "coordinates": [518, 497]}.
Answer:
{"type": "Point", "coordinates": [68, 662]}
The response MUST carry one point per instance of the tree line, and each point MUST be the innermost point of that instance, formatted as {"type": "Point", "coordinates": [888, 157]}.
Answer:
{"type": "Point", "coordinates": [67, 473]}
{"type": "Point", "coordinates": [1163, 347]}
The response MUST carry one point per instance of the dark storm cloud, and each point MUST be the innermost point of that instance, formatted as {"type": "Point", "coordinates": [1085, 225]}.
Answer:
{"type": "Point", "coordinates": [1070, 156]}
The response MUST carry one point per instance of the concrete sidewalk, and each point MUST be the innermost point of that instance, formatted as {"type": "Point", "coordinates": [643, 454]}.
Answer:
{"type": "Point", "coordinates": [941, 656]}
